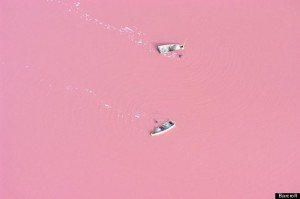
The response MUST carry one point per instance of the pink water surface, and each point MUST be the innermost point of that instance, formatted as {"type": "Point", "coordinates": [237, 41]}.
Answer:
{"type": "Point", "coordinates": [82, 83]}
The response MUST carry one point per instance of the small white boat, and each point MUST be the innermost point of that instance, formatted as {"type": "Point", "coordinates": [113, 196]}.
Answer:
{"type": "Point", "coordinates": [163, 49]}
{"type": "Point", "coordinates": [163, 128]}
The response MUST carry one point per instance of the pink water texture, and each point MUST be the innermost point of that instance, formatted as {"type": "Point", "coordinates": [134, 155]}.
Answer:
{"type": "Point", "coordinates": [82, 85]}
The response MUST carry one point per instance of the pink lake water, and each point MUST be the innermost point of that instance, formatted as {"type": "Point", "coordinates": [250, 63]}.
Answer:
{"type": "Point", "coordinates": [82, 83]}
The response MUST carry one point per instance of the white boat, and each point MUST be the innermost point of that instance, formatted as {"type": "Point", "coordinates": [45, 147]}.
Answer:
{"type": "Point", "coordinates": [163, 49]}
{"type": "Point", "coordinates": [163, 128]}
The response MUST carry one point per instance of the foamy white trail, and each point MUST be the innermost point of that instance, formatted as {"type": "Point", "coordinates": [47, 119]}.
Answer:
{"type": "Point", "coordinates": [131, 32]}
